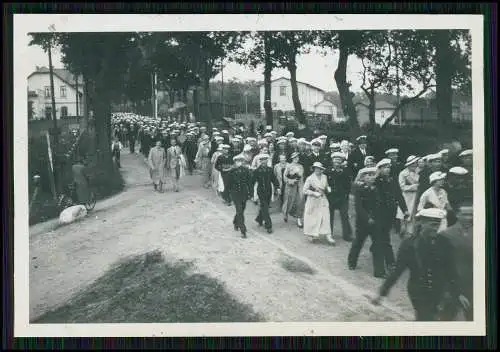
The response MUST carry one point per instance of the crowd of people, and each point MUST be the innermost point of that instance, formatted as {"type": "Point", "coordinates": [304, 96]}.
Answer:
{"type": "Point", "coordinates": [427, 200]}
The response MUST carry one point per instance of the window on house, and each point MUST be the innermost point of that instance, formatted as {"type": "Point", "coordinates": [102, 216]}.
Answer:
{"type": "Point", "coordinates": [48, 113]}
{"type": "Point", "coordinates": [63, 91]}
{"type": "Point", "coordinates": [47, 92]}
{"type": "Point", "coordinates": [382, 114]}
{"type": "Point", "coordinates": [283, 91]}
{"type": "Point", "coordinates": [64, 111]}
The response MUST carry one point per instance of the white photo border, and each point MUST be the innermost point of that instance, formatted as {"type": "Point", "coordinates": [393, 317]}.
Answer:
{"type": "Point", "coordinates": [25, 23]}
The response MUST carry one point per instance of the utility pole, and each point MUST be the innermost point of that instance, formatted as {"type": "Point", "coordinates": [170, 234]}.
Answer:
{"type": "Point", "coordinates": [398, 89]}
{"type": "Point", "coordinates": [55, 132]}
{"type": "Point", "coordinates": [246, 102]}
{"type": "Point", "coordinates": [222, 88]}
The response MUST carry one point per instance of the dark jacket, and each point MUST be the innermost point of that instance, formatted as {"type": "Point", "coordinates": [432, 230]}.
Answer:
{"type": "Point", "coordinates": [264, 177]}
{"type": "Point", "coordinates": [239, 182]}
{"type": "Point", "coordinates": [389, 197]}
{"type": "Point", "coordinates": [356, 159]}
{"type": "Point", "coordinates": [431, 261]}
{"type": "Point", "coordinates": [223, 163]}
{"type": "Point", "coordinates": [365, 204]}
{"type": "Point", "coordinates": [340, 183]}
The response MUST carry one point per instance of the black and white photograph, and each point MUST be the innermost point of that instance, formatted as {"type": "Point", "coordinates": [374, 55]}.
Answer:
{"type": "Point", "coordinates": [249, 175]}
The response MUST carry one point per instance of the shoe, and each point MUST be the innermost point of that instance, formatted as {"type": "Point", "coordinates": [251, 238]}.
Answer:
{"type": "Point", "coordinates": [330, 240]}
{"type": "Point", "coordinates": [299, 224]}
{"type": "Point", "coordinates": [236, 228]}
{"type": "Point", "coordinates": [347, 238]}
{"type": "Point", "coordinates": [269, 230]}
{"type": "Point", "coordinates": [381, 276]}
{"type": "Point", "coordinates": [258, 222]}
{"type": "Point", "coordinates": [285, 219]}
{"type": "Point", "coordinates": [352, 266]}
{"type": "Point", "coordinates": [243, 235]}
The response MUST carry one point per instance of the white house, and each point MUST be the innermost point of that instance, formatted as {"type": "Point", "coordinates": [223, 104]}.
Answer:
{"type": "Point", "coordinates": [383, 110]}
{"type": "Point", "coordinates": [65, 92]}
{"type": "Point", "coordinates": [326, 107]}
{"type": "Point", "coordinates": [311, 97]}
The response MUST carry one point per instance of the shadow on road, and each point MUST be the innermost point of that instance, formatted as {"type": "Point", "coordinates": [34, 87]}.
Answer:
{"type": "Point", "coordinates": [147, 289]}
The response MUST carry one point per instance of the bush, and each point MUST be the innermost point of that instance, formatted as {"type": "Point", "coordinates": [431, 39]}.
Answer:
{"type": "Point", "coordinates": [103, 183]}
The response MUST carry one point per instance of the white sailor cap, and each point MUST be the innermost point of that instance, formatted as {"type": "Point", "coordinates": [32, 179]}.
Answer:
{"type": "Point", "coordinates": [268, 135]}
{"type": "Point", "coordinates": [262, 142]}
{"type": "Point", "coordinates": [338, 155]}
{"type": "Point", "coordinates": [366, 170]}
{"type": "Point", "coordinates": [444, 151]}
{"type": "Point", "coordinates": [392, 151]}
{"type": "Point", "coordinates": [316, 142]}
{"type": "Point", "coordinates": [269, 127]}
{"type": "Point", "coordinates": [361, 139]}
{"type": "Point", "coordinates": [432, 157]}
{"type": "Point", "coordinates": [225, 146]}
{"type": "Point", "coordinates": [238, 137]}
{"type": "Point", "coordinates": [431, 213]}
{"type": "Point", "coordinates": [281, 141]}
{"type": "Point", "coordinates": [323, 136]}
{"type": "Point", "coordinates": [436, 176]}
{"type": "Point", "coordinates": [220, 147]}
{"type": "Point", "coordinates": [274, 133]}
{"type": "Point", "coordinates": [293, 139]}
{"type": "Point", "coordinates": [263, 156]}
{"type": "Point", "coordinates": [466, 152]}
{"type": "Point", "coordinates": [290, 134]}
{"type": "Point", "coordinates": [225, 132]}
{"type": "Point", "coordinates": [247, 148]}
{"type": "Point", "coordinates": [384, 162]}
{"type": "Point", "coordinates": [412, 159]}
{"type": "Point", "coordinates": [458, 170]}
{"type": "Point", "coordinates": [249, 139]}
{"type": "Point", "coordinates": [369, 158]}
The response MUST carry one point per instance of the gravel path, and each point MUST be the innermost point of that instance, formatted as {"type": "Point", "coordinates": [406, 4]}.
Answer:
{"type": "Point", "coordinates": [193, 225]}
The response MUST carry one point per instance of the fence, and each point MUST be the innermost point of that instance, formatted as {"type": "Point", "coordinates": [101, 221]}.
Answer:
{"type": "Point", "coordinates": [39, 127]}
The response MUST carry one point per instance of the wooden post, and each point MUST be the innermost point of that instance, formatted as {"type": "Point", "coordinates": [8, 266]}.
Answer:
{"type": "Point", "coordinates": [51, 168]}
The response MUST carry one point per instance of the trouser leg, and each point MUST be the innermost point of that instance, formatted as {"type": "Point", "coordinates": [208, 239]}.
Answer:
{"type": "Point", "coordinates": [344, 218]}
{"type": "Point", "coordinates": [264, 211]}
{"type": "Point", "coordinates": [357, 244]}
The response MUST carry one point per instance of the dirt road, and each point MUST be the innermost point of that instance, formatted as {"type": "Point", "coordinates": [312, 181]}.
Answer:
{"type": "Point", "coordinates": [280, 275]}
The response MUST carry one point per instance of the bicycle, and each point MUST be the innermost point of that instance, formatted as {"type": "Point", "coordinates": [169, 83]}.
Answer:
{"type": "Point", "coordinates": [69, 198]}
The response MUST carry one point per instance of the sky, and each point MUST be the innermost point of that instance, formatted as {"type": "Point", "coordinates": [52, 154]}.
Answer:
{"type": "Point", "coordinates": [312, 68]}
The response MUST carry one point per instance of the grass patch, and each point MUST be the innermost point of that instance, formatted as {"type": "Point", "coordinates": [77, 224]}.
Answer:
{"type": "Point", "coordinates": [146, 289]}
{"type": "Point", "coordinates": [296, 266]}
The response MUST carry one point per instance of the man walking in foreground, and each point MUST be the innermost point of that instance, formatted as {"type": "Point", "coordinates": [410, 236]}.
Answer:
{"type": "Point", "coordinates": [238, 185]}
{"type": "Point", "coordinates": [265, 179]}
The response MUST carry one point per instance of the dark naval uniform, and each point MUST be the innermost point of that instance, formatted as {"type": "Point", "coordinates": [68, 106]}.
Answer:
{"type": "Point", "coordinates": [239, 185]}
{"type": "Point", "coordinates": [356, 159]}
{"type": "Point", "coordinates": [265, 178]}
{"type": "Point", "coordinates": [365, 203]}
{"type": "Point", "coordinates": [339, 181]}
{"type": "Point", "coordinates": [223, 165]}
{"type": "Point", "coordinates": [431, 262]}
{"type": "Point", "coordinates": [461, 238]}
{"type": "Point", "coordinates": [389, 197]}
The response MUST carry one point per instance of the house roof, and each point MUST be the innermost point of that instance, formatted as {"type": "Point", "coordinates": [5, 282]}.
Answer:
{"type": "Point", "coordinates": [288, 79]}
{"type": "Point", "coordinates": [63, 74]}
{"type": "Point", "coordinates": [379, 105]}
{"type": "Point", "coordinates": [325, 100]}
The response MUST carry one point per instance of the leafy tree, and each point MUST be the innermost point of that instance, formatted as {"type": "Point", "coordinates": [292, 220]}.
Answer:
{"type": "Point", "coordinates": [286, 45]}
{"type": "Point", "coordinates": [261, 53]}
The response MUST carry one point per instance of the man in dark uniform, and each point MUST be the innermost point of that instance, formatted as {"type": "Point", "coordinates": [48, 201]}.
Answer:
{"type": "Point", "coordinates": [339, 180]}
{"type": "Point", "coordinates": [132, 133]}
{"type": "Point", "coordinates": [460, 235]}
{"type": "Point", "coordinates": [396, 167]}
{"type": "Point", "coordinates": [305, 159]}
{"type": "Point", "coordinates": [265, 178]}
{"type": "Point", "coordinates": [389, 197]}
{"type": "Point", "coordinates": [239, 181]}
{"type": "Point", "coordinates": [357, 157]}
{"type": "Point", "coordinates": [365, 194]}
{"type": "Point", "coordinates": [190, 148]}
{"type": "Point", "coordinates": [431, 260]}
{"type": "Point", "coordinates": [223, 165]}
{"type": "Point", "coordinates": [315, 156]}
{"type": "Point", "coordinates": [457, 190]}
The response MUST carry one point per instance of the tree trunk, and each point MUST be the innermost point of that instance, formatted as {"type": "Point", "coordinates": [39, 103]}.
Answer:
{"type": "Point", "coordinates": [171, 96]}
{"type": "Point", "coordinates": [196, 103]}
{"type": "Point", "coordinates": [76, 86]}
{"type": "Point", "coordinates": [444, 73]}
{"type": "Point", "coordinates": [102, 111]}
{"type": "Point", "coordinates": [342, 85]}
{"type": "Point", "coordinates": [371, 110]}
{"type": "Point", "coordinates": [299, 114]}
{"type": "Point", "coordinates": [268, 68]}
{"type": "Point", "coordinates": [208, 102]}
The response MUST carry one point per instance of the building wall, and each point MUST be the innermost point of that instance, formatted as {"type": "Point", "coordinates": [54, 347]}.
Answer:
{"type": "Point", "coordinates": [38, 82]}
{"type": "Point", "coordinates": [380, 115]}
{"type": "Point", "coordinates": [308, 96]}
{"type": "Point", "coordinates": [326, 108]}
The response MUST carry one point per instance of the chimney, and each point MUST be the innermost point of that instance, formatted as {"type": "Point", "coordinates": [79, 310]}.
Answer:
{"type": "Point", "coordinates": [37, 68]}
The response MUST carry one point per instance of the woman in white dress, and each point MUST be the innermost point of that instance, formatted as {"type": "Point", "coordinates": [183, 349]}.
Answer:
{"type": "Point", "coordinates": [202, 160]}
{"type": "Point", "coordinates": [436, 197]}
{"type": "Point", "coordinates": [317, 210]}
{"type": "Point", "coordinates": [215, 174]}
{"type": "Point", "coordinates": [408, 182]}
